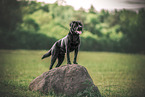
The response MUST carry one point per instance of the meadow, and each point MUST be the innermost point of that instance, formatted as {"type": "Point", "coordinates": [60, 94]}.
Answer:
{"type": "Point", "coordinates": [115, 74]}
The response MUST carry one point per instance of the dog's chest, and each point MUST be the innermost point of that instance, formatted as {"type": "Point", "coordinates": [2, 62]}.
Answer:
{"type": "Point", "coordinates": [74, 42]}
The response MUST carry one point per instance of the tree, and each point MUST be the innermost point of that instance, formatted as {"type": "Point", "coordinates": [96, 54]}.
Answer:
{"type": "Point", "coordinates": [10, 14]}
{"type": "Point", "coordinates": [92, 10]}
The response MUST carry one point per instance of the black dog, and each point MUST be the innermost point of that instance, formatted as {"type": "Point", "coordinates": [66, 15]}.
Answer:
{"type": "Point", "coordinates": [67, 44]}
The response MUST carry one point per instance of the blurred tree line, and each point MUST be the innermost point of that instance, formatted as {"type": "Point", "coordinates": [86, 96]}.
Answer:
{"type": "Point", "coordinates": [34, 25]}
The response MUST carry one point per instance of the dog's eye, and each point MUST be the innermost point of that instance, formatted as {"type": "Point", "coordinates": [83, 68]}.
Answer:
{"type": "Point", "coordinates": [80, 29]}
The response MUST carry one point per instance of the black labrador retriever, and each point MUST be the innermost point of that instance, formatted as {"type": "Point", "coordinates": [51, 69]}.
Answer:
{"type": "Point", "coordinates": [69, 43]}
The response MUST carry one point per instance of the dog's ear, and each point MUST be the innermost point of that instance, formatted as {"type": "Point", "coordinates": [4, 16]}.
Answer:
{"type": "Point", "coordinates": [71, 24]}
{"type": "Point", "coordinates": [80, 23]}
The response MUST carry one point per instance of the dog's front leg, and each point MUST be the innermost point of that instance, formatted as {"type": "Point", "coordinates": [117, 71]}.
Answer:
{"type": "Point", "coordinates": [75, 56]}
{"type": "Point", "coordinates": [68, 58]}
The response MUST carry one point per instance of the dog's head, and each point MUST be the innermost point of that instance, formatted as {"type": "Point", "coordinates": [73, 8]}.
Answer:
{"type": "Point", "coordinates": [76, 27]}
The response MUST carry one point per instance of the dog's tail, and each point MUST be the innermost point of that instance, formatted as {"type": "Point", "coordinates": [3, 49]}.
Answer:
{"type": "Point", "coordinates": [47, 54]}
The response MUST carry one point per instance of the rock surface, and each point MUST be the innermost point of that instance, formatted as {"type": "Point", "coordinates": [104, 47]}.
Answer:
{"type": "Point", "coordinates": [68, 80]}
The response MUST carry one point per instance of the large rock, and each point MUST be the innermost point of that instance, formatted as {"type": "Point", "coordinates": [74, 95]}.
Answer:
{"type": "Point", "coordinates": [68, 80]}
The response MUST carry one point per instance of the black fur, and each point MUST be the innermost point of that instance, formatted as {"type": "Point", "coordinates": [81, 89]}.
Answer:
{"type": "Point", "coordinates": [69, 43]}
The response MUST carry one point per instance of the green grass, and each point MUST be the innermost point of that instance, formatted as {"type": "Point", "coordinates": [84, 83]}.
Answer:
{"type": "Point", "coordinates": [115, 74]}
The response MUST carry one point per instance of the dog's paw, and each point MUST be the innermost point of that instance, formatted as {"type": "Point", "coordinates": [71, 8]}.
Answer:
{"type": "Point", "coordinates": [75, 62]}
{"type": "Point", "coordinates": [69, 63]}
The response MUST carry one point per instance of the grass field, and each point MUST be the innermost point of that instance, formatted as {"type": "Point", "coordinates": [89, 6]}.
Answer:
{"type": "Point", "coordinates": [115, 74]}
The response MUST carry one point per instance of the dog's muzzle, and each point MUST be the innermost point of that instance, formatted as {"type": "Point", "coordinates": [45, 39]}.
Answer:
{"type": "Point", "coordinates": [79, 30]}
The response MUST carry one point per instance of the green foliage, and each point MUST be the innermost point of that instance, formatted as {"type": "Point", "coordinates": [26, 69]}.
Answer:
{"type": "Point", "coordinates": [10, 14]}
{"type": "Point", "coordinates": [92, 10]}
{"type": "Point", "coordinates": [119, 31]}
{"type": "Point", "coordinates": [30, 25]}
{"type": "Point", "coordinates": [26, 40]}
